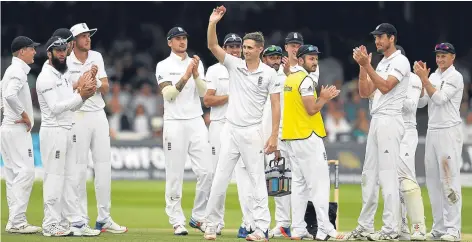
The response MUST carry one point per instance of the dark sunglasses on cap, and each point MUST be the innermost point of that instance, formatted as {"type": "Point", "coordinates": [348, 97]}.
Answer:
{"type": "Point", "coordinates": [309, 50]}
{"type": "Point", "coordinates": [273, 49]}
{"type": "Point", "coordinates": [58, 43]}
{"type": "Point", "coordinates": [233, 39]}
{"type": "Point", "coordinates": [444, 47]}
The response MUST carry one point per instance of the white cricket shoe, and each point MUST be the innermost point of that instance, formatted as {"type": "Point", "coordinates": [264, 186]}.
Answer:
{"type": "Point", "coordinates": [280, 232]}
{"type": "Point", "coordinates": [210, 233]}
{"type": "Point", "coordinates": [419, 232]}
{"type": "Point", "coordinates": [24, 229]}
{"type": "Point", "coordinates": [180, 230]}
{"type": "Point", "coordinates": [85, 230]}
{"type": "Point", "coordinates": [382, 236]}
{"type": "Point", "coordinates": [433, 236]}
{"type": "Point", "coordinates": [332, 235]}
{"type": "Point", "coordinates": [111, 227]}
{"type": "Point", "coordinates": [218, 229]}
{"type": "Point", "coordinates": [258, 235]}
{"type": "Point", "coordinates": [305, 236]}
{"type": "Point", "coordinates": [359, 233]}
{"type": "Point", "coordinates": [450, 237]}
{"type": "Point", "coordinates": [55, 230]}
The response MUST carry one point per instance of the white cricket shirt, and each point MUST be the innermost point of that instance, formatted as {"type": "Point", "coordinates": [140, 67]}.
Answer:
{"type": "Point", "coordinates": [217, 78]}
{"type": "Point", "coordinates": [410, 104]}
{"type": "Point", "coordinates": [16, 96]}
{"type": "Point", "coordinates": [57, 99]}
{"type": "Point", "coordinates": [444, 105]}
{"type": "Point", "coordinates": [77, 69]}
{"type": "Point", "coordinates": [391, 103]}
{"type": "Point", "coordinates": [187, 104]}
{"type": "Point", "coordinates": [249, 91]}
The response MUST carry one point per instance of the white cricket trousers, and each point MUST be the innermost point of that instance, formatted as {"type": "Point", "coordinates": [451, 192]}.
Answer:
{"type": "Point", "coordinates": [245, 143]}
{"type": "Point", "coordinates": [93, 134]}
{"type": "Point", "coordinates": [282, 204]}
{"type": "Point", "coordinates": [184, 138]}
{"type": "Point", "coordinates": [17, 154]}
{"type": "Point", "coordinates": [380, 165]}
{"type": "Point", "coordinates": [59, 161]}
{"type": "Point", "coordinates": [442, 161]}
{"type": "Point", "coordinates": [242, 177]}
{"type": "Point", "coordinates": [310, 181]}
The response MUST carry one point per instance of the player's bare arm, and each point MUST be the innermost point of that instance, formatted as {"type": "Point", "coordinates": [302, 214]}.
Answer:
{"type": "Point", "coordinates": [105, 87]}
{"type": "Point", "coordinates": [213, 46]}
{"type": "Point", "coordinates": [25, 120]}
{"type": "Point", "coordinates": [271, 144]}
{"type": "Point", "coordinates": [383, 85]}
{"type": "Point", "coordinates": [314, 105]}
{"type": "Point", "coordinates": [212, 100]}
{"type": "Point", "coordinates": [169, 91]}
{"type": "Point", "coordinates": [366, 86]}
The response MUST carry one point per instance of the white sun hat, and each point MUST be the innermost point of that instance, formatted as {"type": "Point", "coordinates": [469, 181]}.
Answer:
{"type": "Point", "coordinates": [81, 28]}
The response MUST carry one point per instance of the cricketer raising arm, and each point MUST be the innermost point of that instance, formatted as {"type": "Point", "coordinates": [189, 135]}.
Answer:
{"type": "Point", "coordinates": [389, 85]}
{"type": "Point", "coordinates": [251, 83]}
{"type": "Point", "coordinates": [16, 144]}
{"type": "Point", "coordinates": [93, 133]}
{"type": "Point", "coordinates": [216, 97]}
{"type": "Point", "coordinates": [181, 80]}
{"type": "Point", "coordinates": [442, 92]}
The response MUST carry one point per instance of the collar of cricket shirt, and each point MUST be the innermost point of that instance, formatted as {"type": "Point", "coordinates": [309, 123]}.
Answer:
{"type": "Point", "coordinates": [53, 70]}
{"type": "Point", "coordinates": [257, 71]}
{"type": "Point", "coordinates": [393, 55]}
{"type": "Point", "coordinates": [25, 67]}
{"type": "Point", "coordinates": [175, 57]}
{"type": "Point", "coordinates": [447, 72]}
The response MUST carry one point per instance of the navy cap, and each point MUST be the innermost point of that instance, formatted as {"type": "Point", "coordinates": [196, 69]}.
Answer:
{"type": "Point", "coordinates": [445, 48]}
{"type": "Point", "coordinates": [294, 37]}
{"type": "Point", "coordinates": [21, 42]}
{"type": "Point", "coordinates": [384, 28]}
{"type": "Point", "coordinates": [272, 50]}
{"type": "Point", "coordinates": [64, 33]}
{"type": "Point", "coordinates": [176, 31]}
{"type": "Point", "coordinates": [56, 42]}
{"type": "Point", "coordinates": [232, 38]}
{"type": "Point", "coordinates": [307, 49]}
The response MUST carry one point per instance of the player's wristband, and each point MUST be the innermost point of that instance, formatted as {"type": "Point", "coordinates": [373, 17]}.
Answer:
{"type": "Point", "coordinates": [99, 83]}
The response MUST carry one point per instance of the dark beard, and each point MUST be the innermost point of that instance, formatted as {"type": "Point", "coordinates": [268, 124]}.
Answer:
{"type": "Point", "coordinates": [58, 65]}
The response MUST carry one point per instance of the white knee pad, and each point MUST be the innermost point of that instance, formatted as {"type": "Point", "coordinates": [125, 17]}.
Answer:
{"type": "Point", "coordinates": [414, 204]}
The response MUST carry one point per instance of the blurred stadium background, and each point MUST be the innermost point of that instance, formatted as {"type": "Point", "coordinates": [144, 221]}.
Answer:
{"type": "Point", "coordinates": [131, 38]}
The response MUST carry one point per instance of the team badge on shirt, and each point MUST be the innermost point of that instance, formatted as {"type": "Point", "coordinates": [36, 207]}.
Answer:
{"type": "Point", "coordinates": [259, 82]}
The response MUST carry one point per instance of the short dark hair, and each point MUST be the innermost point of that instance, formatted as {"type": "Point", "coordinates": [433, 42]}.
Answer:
{"type": "Point", "coordinates": [394, 38]}
{"type": "Point", "coordinates": [256, 36]}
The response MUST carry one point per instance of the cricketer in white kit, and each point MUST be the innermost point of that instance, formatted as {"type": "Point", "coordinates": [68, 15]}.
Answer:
{"type": "Point", "coordinates": [442, 92]}
{"type": "Point", "coordinates": [251, 82]}
{"type": "Point", "coordinates": [293, 41]}
{"type": "Point", "coordinates": [181, 80]}
{"type": "Point", "coordinates": [272, 56]}
{"type": "Point", "coordinates": [16, 143]}
{"type": "Point", "coordinates": [93, 132]}
{"type": "Point", "coordinates": [389, 85]}
{"type": "Point", "coordinates": [216, 97]}
{"type": "Point", "coordinates": [57, 100]}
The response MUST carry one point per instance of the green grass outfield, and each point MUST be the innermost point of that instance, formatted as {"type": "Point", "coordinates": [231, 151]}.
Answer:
{"type": "Point", "coordinates": [139, 205]}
